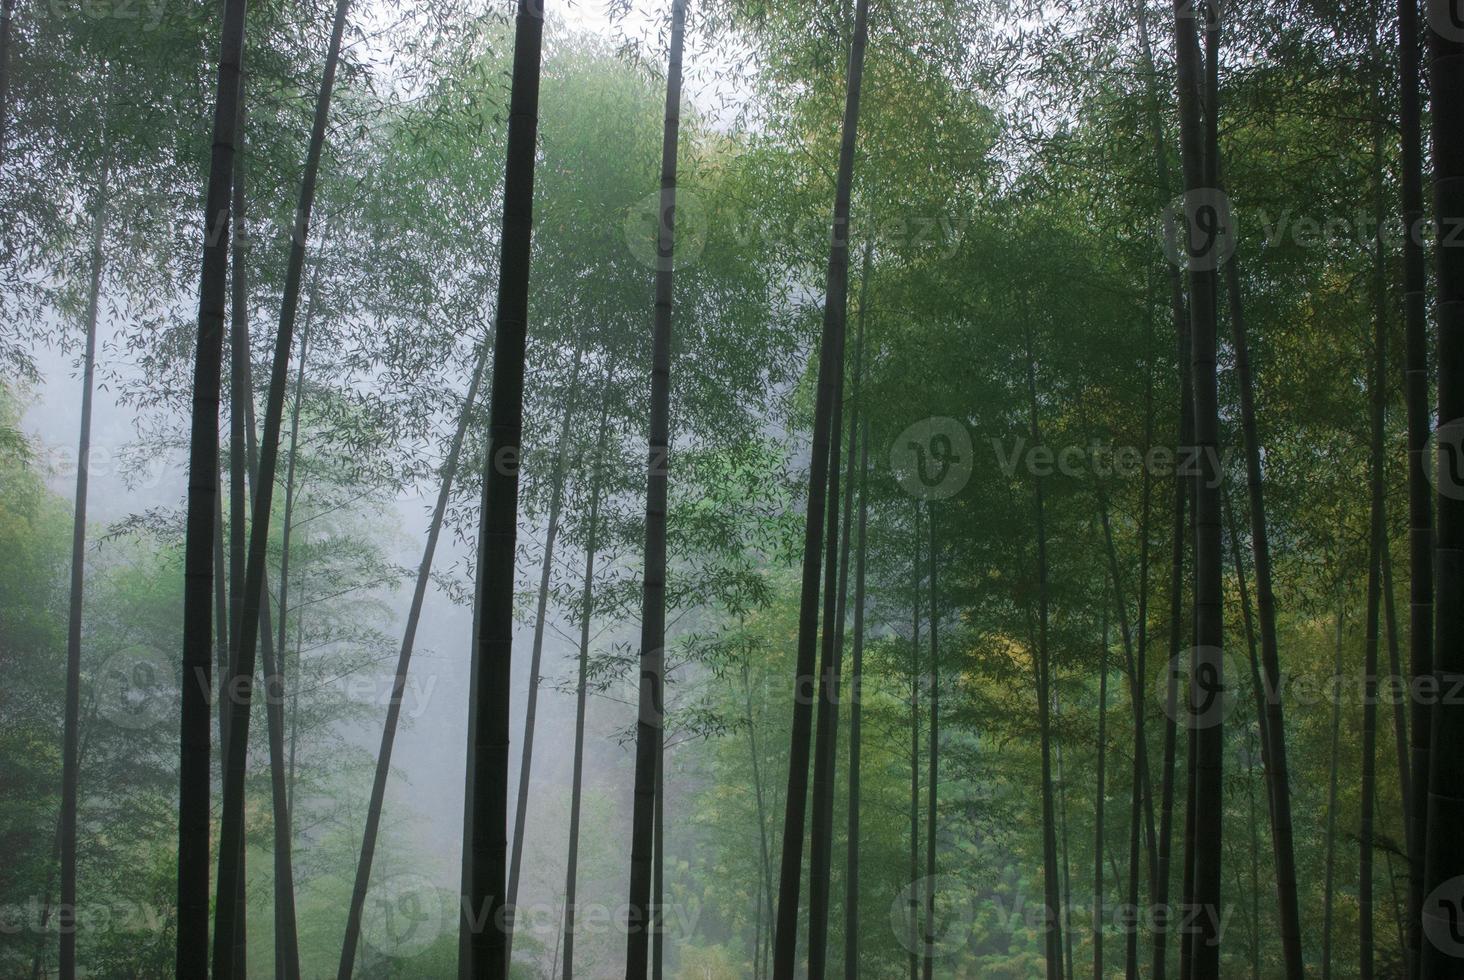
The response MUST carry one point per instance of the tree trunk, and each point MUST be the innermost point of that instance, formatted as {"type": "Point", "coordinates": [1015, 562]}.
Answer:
{"type": "Point", "coordinates": [536, 651]}
{"type": "Point", "coordinates": [191, 935]}
{"type": "Point", "coordinates": [1420, 489]}
{"type": "Point", "coordinates": [275, 679]}
{"type": "Point", "coordinates": [658, 874]}
{"type": "Point", "coordinates": [1052, 897]}
{"type": "Point", "coordinates": [856, 707]}
{"type": "Point", "coordinates": [7, 15]}
{"type": "Point", "coordinates": [1400, 713]}
{"type": "Point", "coordinates": [286, 942]}
{"type": "Point", "coordinates": [1142, 805]}
{"type": "Point", "coordinates": [826, 735]}
{"type": "Point", "coordinates": [1135, 679]}
{"type": "Point", "coordinates": [486, 783]}
{"type": "Point", "coordinates": [1141, 780]}
{"type": "Point", "coordinates": [912, 904]}
{"type": "Point", "coordinates": [399, 680]}
{"type": "Point", "coordinates": [766, 899]}
{"type": "Point", "coordinates": [1276, 768]}
{"type": "Point", "coordinates": [71, 735]}
{"type": "Point", "coordinates": [830, 363]}
{"type": "Point", "coordinates": [1208, 672]}
{"type": "Point", "coordinates": [1098, 801]}
{"type": "Point", "coordinates": [1377, 542]}
{"type": "Point", "coordinates": [231, 834]}
{"type": "Point", "coordinates": [1161, 873]}
{"type": "Point", "coordinates": [241, 402]}
{"type": "Point", "coordinates": [1444, 845]}
{"type": "Point", "coordinates": [1065, 908]}
{"type": "Point", "coordinates": [1329, 876]}
{"type": "Point", "coordinates": [1259, 695]}
{"type": "Point", "coordinates": [649, 737]}
{"type": "Point", "coordinates": [931, 823]}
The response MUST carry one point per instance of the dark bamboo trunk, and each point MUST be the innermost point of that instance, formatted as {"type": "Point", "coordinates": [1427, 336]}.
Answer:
{"type": "Point", "coordinates": [1377, 538]}
{"type": "Point", "coordinates": [765, 899]}
{"type": "Point", "coordinates": [1258, 695]}
{"type": "Point", "coordinates": [7, 16]}
{"type": "Point", "coordinates": [231, 835]}
{"type": "Point", "coordinates": [1161, 873]}
{"type": "Point", "coordinates": [70, 741]}
{"type": "Point", "coordinates": [820, 875]}
{"type": "Point", "coordinates": [649, 735]}
{"type": "Point", "coordinates": [191, 932]}
{"type": "Point", "coordinates": [1141, 780]}
{"type": "Point", "coordinates": [785, 941]}
{"type": "Point", "coordinates": [1052, 897]}
{"type": "Point", "coordinates": [486, 783]}
{"type": "Point", "coordinates": [1099, 800]}
{"type": "Point", "coordinates": [399, 680]}
{"type": "Point", "coordinates": [658, 874]}
{"type": "Point", "coordinates": [856, 708]}
{"type": "Point", "coordinates": [1208, 672]}
{"type": "Point", "coordinates": [1273, 747]}
{"type": "Point", "coordinates": [587, 609]}
{"type": "Point", "coordinates": [536, 651]}
{"type": "Point", "coordinates": [1420, 489]}
{"type": "Point", "coordinates": [274, 666]}
{"type": "Point", "coordinates": [1329, 875]}
{"type": "Point", "coordinates": [1131, 670]}
{"type": "Point", "coordinates": [1132, 924]}
{"type": "Point", "coordinates": [286, 942]}
{"type": "Point", "coordinates": [931, 795]}
{"type": "Point", "coordinates": [912, 902]}
{"type": "Point", "coordinates": [1062, 839]}
{"type": "Point", "coordinates": [240, 396]}
{"type": "Point", "coordinates": [1400, 711]}
{"type": "Point", "coordinates": [1444, 845]}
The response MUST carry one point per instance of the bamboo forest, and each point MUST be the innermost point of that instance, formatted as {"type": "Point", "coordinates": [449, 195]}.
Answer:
{"type": "Point", "coordinates": [732, 489]}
